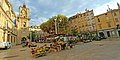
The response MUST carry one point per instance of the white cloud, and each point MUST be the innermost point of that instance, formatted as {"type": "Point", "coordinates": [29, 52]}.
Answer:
{"type": "Point", "coordinates": [17, 13]}
{"type": "Point", "coordinates": [103, 8]}
{"type": "Point", "coordinates": [42, 10]}
{"type": "Point", "coordinates": [15, 6]}
{"type": "Point", "coordinates": [37, 21]}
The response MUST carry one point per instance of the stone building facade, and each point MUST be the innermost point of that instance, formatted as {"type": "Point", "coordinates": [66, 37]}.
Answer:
{"type": "Point", "coordinates": [13, 28]}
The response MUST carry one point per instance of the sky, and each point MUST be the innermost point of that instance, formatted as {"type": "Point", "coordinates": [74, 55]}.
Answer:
{"type": "Point", "coordinates": [42, 10]}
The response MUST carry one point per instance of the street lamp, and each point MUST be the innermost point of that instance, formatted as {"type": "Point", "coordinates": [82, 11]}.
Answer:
{"type": "Point", "coordinates": [55, 26]}
{"type": "Point", "coordinates": [59, 26]}
{"type": "Point", "coordinates": [30, 35]}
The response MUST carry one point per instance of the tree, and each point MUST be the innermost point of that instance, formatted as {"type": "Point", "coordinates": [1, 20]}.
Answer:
{"type": "Point", "coordinates": [49, 26]}
{"type": "Point", "coordinates": [74, 32]}
{"type": "Point", "coordinates": [33, 35]}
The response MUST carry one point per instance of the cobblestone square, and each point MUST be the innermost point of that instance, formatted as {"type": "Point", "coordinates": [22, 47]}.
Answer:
{"type": "Point", "coordinates": [96, 50]}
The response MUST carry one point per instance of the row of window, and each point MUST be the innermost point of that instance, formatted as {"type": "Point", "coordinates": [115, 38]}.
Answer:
{"type": "Point", "coordinates": [100, 26]}
{"type": "Point", "coordinates": [107, 18]}
{"type": "Point", "coordinates": [89, 29]}
{"type": "Point", "coordinates": [80, 15]}
{"type": "Point", "coordinates": [83, 25]}
{"type": "Point", "coordinates": [80, 20]}
{"type": "Point", "coordinates": [117, 19]}
{"type": "Point", "coordinates": [100, 20]}
{"type": "Point", "coordinates": [73, 26]}
{"type": "Point", "coordinates": [115, 14]}
{"type": "Point", "coordinates": [88, 24]}
{"type": "Point", "coordinates": [108, 23]}
{"type": "Point", "coordinates": [87, 14]}
{"type": "Point", "coordinates": [37, 27]}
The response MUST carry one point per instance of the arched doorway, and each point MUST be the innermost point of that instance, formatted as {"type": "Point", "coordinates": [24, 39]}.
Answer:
{"type": "Point", "coordinates": [23, 40]}
{"type": "Point", "coordinates": [101, 34]}
{"type": "Point", "coordinates": [119, 33]}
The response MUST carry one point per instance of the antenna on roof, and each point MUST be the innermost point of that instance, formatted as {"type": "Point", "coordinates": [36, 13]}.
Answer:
{"type": "Point", "coordinates": [86, 9]}
{"type": "Point", "coordinates": [109, 8]}
{"type": "Point", "coordinates": [118, 5]}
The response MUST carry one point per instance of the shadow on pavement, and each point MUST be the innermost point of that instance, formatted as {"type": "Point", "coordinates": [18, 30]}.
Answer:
{"type": "Point", "coordinates": [11, 56]}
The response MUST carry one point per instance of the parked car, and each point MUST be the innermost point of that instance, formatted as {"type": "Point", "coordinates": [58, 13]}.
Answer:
{"type": "Point", "coordinates": [97, 38]}
{"type": "Point", "coordinates": [9, 45]}
{"type": "Point", "coordinates": [5, 45]}
{"type": "Point", "coordinates": [87, 40]}
{"type": "Point", "coordinates": [103, 37]}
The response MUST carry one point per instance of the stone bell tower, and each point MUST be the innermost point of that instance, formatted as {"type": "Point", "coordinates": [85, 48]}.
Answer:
{"type": "Point", "coordinates": [23, 22]}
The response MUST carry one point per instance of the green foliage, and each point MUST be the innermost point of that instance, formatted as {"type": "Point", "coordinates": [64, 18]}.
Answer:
{"type": "Point", "coordinates": [74, 32]}
{"type": "Point", "coordinates": [33, 35]}
{"type": "Point", "coordinates": [49, 26]}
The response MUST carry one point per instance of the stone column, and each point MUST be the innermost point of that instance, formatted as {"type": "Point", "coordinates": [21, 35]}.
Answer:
{"type": "Point", "coordinates": [105, 32]}
{"type": "Point", "coordinates": [117, 34]}
{"type": "Point", "coordinates": [5, 36]}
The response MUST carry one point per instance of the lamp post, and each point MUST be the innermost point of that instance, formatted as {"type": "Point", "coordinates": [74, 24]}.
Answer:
{"type": "Point", "coordinates": [59, 26]}
{"type": "Point", "coordinates": [55, 27]}
{"type": "Point", "coordinates": [31, 35]}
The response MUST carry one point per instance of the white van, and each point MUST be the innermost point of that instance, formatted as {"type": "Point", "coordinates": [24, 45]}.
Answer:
{"type": "Point", "coordinates": [65, 39]}
{"type": "Point", "coordinates": [5, 45]}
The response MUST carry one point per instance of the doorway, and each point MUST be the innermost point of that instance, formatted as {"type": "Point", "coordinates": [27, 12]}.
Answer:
{"type": "Point", "coordinates": [8, 40]}
{"type": "Point", "coordinates": [119, 33]}
{"type": "Point", "coordinates": [108, 33]}
{"type": "Point", "coordinates": [23, 40]}
{"type": "Point", "coordinates": [101, 34]}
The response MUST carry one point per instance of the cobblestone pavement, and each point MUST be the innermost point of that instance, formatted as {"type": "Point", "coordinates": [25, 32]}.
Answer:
{"type": "Point", "coordinates": [96, 50]}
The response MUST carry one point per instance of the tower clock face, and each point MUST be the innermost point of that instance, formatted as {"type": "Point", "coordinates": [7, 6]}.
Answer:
{"type": "Point", "coordinates": [23, 12]}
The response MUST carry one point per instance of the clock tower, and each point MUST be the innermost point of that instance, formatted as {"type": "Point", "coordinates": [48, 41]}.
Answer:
{"type": "Point", "coordinates": [23, 21]}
